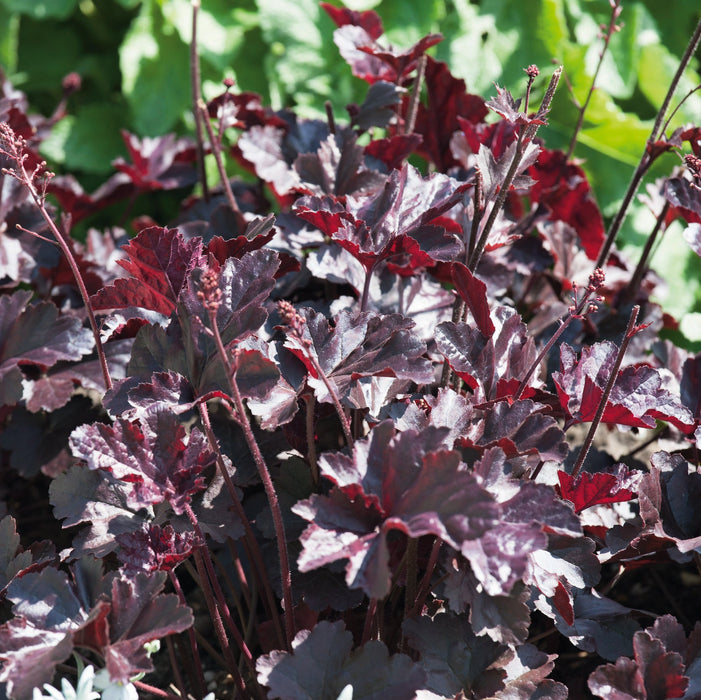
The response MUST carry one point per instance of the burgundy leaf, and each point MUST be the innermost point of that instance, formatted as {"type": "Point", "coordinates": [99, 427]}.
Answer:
{"type": "Point", "coordinates": [392, 481]}
{"type": "Point", "coordinates": [589, 489]}
{"type": "Point", "coordinates": [474, 293]}
{"type": "Point", "coordinates": [505, 105]}
{"type": "Point", "coordinates": [447, 102]}
{"type": "Point", "coordinates": [158, 163]}
{"type": "Point", "coordinates": [336, 168]}
{"type": "Point", "coordinates": [154, 455]}
{"type": "Point", "coordinates": [244, 285]}
{"type": "Point", "coordinates": [395, 221]}
{"type": "Point", "coordinates": [139, 614]}
{"type": "Point", "coordinates": [160, 261]}
{"type": "Point", "coordinates": [638, 397]}
{"type": "Point", "coordinates": [456, 660]}
{"type": "Point", "coordinates": [322, 665]}
{"type": "Point", "coordinates": [518, 429]}
{"type": "Point", "coordinates": [35, 335]}
{"type": "Point", "coordinates": [564, 189]}
{"type": "Point", "coordinates": [393, 150]}
{"type": "Point", "coordinates": [154, 548]}
{"type": "Point", "coordinates": [369, 20]}
{"type": "Point", "coordinates": [491, 362]}
{"type": "Point", "coordinates": [359, 346]}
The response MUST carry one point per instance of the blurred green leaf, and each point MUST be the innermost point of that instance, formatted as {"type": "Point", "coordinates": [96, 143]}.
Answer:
{"type": "Point", "coordinates": [41, 9]}
{"type": "Point", "coordinates": [155, 72]}
{"type": "Point", "coordinates": [77, 145]}
{"type": "Point", "coordinates": [302, 66]}
{"type": "Point", "coordinates": [9, 33]}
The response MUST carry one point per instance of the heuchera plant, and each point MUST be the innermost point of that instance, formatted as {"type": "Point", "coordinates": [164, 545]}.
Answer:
{"type": "Point", "coordinates": [325, 452]}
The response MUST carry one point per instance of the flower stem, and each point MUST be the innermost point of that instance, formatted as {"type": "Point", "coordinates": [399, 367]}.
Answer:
{"type": "Point", "coordinates": [250, 543]}
{"type": "Point", "coordinates": [525, 136]}
{"type": "Point", "coordinates": [610, 31]}
{"type": "Point", "coordinates": [216, 150]}
{"type": "Point", "coordinates": [195, 82]}
{"type": "Point", "coordinates": [647, 158]}
{"type": "Point", "coordinates": [630, 332]}
{"type": "Point", "coordinates": [13, 147]}
{"type": "Point", "coordinates": [197, 661]}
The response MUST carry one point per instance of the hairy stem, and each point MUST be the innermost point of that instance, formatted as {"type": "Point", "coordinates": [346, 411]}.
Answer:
{"type": "Point", "coordinates": [311, 443]}
{"type": "Point", "coordinates": [413, 107]}
{"type": "Point", "coordinates": [217, 621]}
{"type": "Point", "coordinates": [647, 158]}
{"type": "Point", "coordinates": [13, 147]}
{"type": "Point", "coordinates": [574, 313]}
{"type": "Point", "coordinates": [175, 667]}
{"type": "Point", "coordinates": [630, 331]}
{"type": "Point", "coordinates": [425, 585]}
{"type": "Point", "coordinates": [216, 150]}
{"type": "Point", "coordinates": [526, 135]}
{"type": "Point", "coordinates": [197, 661]}
{"type": "Point", "coordinates": [212, 581]}
{"type": "Point", "coordinates": [412, 549]}
{"type": "Point", "coordinates": [250, 542]}
{"type": "Point", "coordinates": [369, 621]}
{"type": "Point", "coordinates": [631, 291]}
{"type": "Point", "coordinates": [274, 504]}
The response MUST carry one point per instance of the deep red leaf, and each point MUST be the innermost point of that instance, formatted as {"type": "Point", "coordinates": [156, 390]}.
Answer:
{"type": "Point", "coordinates": [159, 264]}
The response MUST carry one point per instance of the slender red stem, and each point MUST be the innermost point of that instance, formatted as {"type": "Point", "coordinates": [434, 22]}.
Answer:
{"type": "Point", "coordinates": [630, 332]}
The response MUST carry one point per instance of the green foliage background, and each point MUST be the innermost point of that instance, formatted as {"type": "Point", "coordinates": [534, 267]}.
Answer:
{"type": "Point", "coordinates": [133, 57]}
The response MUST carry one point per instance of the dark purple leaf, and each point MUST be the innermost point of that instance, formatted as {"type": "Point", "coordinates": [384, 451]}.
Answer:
{"type": "Point", "coordinates": [654, 672]}
{"type": "Point", "coordinates": [245, 285]}
{"type": "Point", "coordinates": [160, 262]}
{"type": "Point", "coordinates": [83, 496]}
{"type": "Point", "coordinates": [495, 168]}
{"type": "Point", "coordinates": [372, 62]}
{"type": "Point", "coordinates": [392, 481]}
{"type": "Point", "coordinates": [600, 625]}
{"type": "Point", "coordinates": [395, 221]}
{"type": "Point", "coordinates": [30, 656]}
{"type": "Point", "coordinates": [360, 345]}
{"type": "Point", "coordinates": [518, 429]}
{"type": "Point", "coordinates": [690, 385]}
{"type": "Point", "coordinates": [447, 102]}
{"type": "Point", "coordinates": [337, 168]}
{"type": "Point", "coordinates": [158, 163]}
{"type": "Point", "coordinates": [526, 677]}
{"type": "Point", "coordinates": [454, 657]}
{"type": "Point", "coordinates": [139, 614]}
{"type": "Point", "coordinates": [154, 455]}
{"type": "Point", "coordinates": [492, 363]}
{"type": "Point", "coordinates": [685, 197]}
{"type": "Point", "coordinates": [378, 107]}
{"type": "Point", "coordinates": [369, 20]}
{"type": "Point", "coordinates": [35, 335]}
{"type": "Point", "coordinates": [638, 397]}
{"type": "Point", "coordinates": [154, 548]}
{"type": "Point", "coordinates": [323, 664]}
